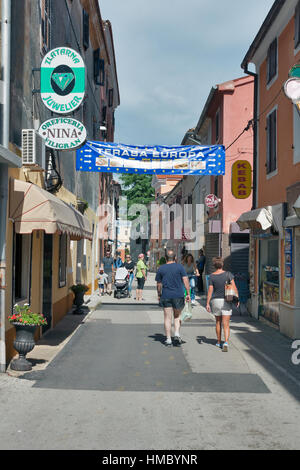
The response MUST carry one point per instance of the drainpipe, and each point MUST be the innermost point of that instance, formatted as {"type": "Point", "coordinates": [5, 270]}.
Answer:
{"type": "Point", "coordinates": [5, 62]}
{"type": "Point", "coordinates": [255, 127]}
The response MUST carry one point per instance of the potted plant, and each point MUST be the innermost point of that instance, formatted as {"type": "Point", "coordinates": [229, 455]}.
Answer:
{"type": "Point", "coordinates": [79, 290]}
{"type": "Point", "coordinates": [82, 205]}
{"type": "Point", "coordinates": [25, 323]}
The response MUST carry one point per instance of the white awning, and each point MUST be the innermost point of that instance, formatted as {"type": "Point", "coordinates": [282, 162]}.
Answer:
{"type": "Point", "coordinates": [33, 208]}
{"type": "Point", "coordinates": [261, 219]}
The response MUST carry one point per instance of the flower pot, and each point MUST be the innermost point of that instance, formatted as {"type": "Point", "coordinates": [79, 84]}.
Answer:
{"type": "Point", "coordinates": [79, 301]}
{"type": "Point", "coordinates": [23, 344]}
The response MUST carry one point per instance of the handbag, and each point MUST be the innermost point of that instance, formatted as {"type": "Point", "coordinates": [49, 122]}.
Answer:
{"type": "Point", "coordinates": [230, 292]}
{"type": "Point", "coordinates": [186, 313]}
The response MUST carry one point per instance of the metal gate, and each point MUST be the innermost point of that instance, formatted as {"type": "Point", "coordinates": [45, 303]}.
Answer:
{"type": "Point", "coordinates": [212, 249]}
{"type": "Point", "coordinates": [240, 258]}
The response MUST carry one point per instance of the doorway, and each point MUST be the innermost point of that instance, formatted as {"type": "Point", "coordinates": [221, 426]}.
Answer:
{"type": "Point", "coordinates": [47, 280]}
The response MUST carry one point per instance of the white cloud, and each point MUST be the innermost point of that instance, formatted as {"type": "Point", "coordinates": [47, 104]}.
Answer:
{"type": "Point", "coordinates": [169, 54]}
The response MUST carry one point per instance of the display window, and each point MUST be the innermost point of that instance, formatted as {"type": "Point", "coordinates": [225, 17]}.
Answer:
{"type": "Point", "coordinates": [269, 280]}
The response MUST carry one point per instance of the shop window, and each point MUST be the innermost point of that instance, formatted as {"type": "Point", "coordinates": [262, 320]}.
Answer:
{"type": "Point", "coordinates": [272, 61]}
{"type": "Point", "coordinates": [22, 267]}
{"type": "Point", "coordinates": [272, 141]}
{"type": "Point", "coordinates": [269, 279]}
{"type": "Point", "coordinates": [45, 25]}
{"type": "Point", "coordinates": [297, 25]}
{"type": "Point", "coordinates": [85, 29]}
{"type": "Point", "coordinates": [63, 260]}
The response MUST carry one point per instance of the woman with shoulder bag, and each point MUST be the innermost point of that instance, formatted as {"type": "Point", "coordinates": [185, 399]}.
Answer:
{"type": "Point", "coordinates": [221, 292]}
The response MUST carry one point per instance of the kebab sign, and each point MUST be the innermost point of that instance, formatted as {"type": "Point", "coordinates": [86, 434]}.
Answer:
{"type": "Point", "coordinates": [241, 182]}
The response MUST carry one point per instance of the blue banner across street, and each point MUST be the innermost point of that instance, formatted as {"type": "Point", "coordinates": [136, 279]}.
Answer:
{"type": "Point", "coordinates": [181, 160]}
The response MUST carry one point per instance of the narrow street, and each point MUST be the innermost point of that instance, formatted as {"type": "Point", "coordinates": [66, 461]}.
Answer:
{"type": "Point", "coordinates": [114, 385]}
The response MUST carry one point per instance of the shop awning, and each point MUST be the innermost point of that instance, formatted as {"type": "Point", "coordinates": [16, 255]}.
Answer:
{"type": "Point", "coordinates": [261, 219]}
{"type": "Point", "coordinates": [9, 158]}
{"type": "Point", "coordinates": [33, 208]}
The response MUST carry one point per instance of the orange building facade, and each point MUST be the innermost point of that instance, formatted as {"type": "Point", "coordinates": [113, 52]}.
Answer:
{"type": "Point", "coordinates": [275, 227]}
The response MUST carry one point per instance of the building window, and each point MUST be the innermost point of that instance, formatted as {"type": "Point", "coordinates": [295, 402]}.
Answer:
{"type": "Point", "coordinates": [22, 267]}
{"type": "Point", "coordinates": [272, 61]}
{"type": "Point", "coordinates": [216, 186]}
{"type": "Point", "coordinates": [63, 260]}
{"type": "Point", "coordinates": [218, 126]}
{"type": "Point", "coordinates": [110, 97]}
{"type": "Point", "coordinates": [46, 25]}
{"type": "Point", "coordinates": [272, 141]}
{"type": "Point", "coordinates": [297, 25]}
{"type": "Point", "coordinates": [85, 29]}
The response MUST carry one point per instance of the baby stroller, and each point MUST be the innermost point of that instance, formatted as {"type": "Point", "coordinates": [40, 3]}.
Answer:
{"type": "Point", "coordinates": [121, 283]}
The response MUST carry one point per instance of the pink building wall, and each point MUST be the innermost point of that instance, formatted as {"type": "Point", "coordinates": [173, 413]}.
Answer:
{"type": "Point", "coordinates": [236, 110]}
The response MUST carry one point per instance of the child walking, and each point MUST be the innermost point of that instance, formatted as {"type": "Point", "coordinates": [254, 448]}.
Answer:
{"type": "Point", "coordinates": [102, 282]}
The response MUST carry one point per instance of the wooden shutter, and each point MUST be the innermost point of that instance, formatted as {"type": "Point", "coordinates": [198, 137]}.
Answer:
{"type": "Point", "coordinates": [96, 66]}
{"type": "Point", "coordinates": [102, 72]}
{"type": "Point", "coordinates": [86, 29]}
{"type": "Point", "coordinates": [110, 97]}
{"type": "Point", "coordinates": [272, 142]}
{"type": "Point", "coordinates": [272, 60]}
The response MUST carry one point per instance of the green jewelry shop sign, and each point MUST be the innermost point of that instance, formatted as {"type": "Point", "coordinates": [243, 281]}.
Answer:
{"type": "Point", "coordinates": [62, 80]}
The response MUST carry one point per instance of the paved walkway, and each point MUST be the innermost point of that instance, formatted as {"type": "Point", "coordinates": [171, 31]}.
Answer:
{"type": "Point", "coordinates": [111, 383]}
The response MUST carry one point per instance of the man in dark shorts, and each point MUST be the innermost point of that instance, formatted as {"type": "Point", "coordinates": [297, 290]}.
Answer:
{"type": "Point", "coordinates": [171, 280]}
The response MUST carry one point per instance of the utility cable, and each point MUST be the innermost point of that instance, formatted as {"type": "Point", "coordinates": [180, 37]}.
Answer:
{"type": "Point", "coordinates": [253, 121]}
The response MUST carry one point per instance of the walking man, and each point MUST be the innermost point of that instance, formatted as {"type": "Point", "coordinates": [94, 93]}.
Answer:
{"type": "Point", "coordinates": [171, 280]}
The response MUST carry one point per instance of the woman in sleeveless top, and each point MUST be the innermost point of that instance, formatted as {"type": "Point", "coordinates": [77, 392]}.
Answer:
{"type": "Point", "coordinates": [216, 301]}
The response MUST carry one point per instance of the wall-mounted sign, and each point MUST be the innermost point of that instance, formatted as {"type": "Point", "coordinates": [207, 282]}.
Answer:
{"type": "Point", "coordinates": [62, 80]}
{"type": "Point", "coordinates": [158, 160]}
{"type": "Point", "coordinates": [241, 180]}
{"type": "Point", "coordinates": [63, 133]}
{"type": "Point", "coordinates": [295, 71]}
{"type": "Point", "coordinates": [211, 201]}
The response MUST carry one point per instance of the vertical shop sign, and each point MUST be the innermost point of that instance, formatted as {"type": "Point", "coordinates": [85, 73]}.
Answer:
{"type": "Point", "coordinates": [241, 182]}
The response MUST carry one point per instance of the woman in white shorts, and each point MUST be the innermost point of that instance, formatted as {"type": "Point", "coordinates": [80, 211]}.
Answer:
{"type": "Point", "coordinates": [216, 302]}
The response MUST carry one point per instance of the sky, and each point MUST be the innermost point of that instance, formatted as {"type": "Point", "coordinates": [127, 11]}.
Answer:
{"type": "Point", "coordinates": [169, 54]}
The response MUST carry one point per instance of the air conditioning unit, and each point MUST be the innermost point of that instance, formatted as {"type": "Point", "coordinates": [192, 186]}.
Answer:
{"type": "Point", "coordinates": [33, 150]}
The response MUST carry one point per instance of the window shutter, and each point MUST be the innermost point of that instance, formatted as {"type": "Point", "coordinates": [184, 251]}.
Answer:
{"type": "Point", "coordinates": [272, 142]}
{"type": "Point", "coordinates": [86, 29]}
{"type": "Point", "coordinates": [297, 25]}
{"type": "Point", "coordinates": [102, 72]}
{"type": "Point", "coordinates": [272, 60]}
{"type": "Point", "coordinates": [110, 97]}
{"type": "Point", "coordinates": [96, 65]}
{"type": "Point", "coordinates": [104, 109]}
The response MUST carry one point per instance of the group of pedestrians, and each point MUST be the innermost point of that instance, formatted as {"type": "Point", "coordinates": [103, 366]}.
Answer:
{"type": "Point", "coordinates": [109, 267]}
{"type": "Point", "coordinates": [175, 286]}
